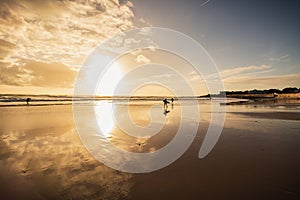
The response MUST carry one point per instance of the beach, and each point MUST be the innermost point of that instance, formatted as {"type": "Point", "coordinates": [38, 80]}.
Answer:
{"type": "Point", "coordinates": [149, 100]}
{"type": "Point", "coordinates": [256, 156]}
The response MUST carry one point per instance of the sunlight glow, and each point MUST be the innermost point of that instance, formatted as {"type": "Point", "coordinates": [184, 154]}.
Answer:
{"type": "Point", "coordinates": [109, 80]}
{"type": "Point", "coordinates": [105, 119]}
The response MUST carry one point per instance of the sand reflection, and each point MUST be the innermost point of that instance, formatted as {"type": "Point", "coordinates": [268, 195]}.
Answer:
{"type": "Point", "coordinates": [41, 156]}
{"type": "Point", "coordinates": [119, 121]}
{"type": "Point", "coordinates": [44, 154]}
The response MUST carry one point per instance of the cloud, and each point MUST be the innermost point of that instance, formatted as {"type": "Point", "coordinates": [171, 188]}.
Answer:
{"type": "Point", "coordinates": [141, 22]}
{"type": "Point", "coordinates": [204, 3]}
{"type": "Point", "coordinates": [37, 74]}
{"type": "Point", "coordinates": [12, 75]}
{"type": "Point", "coordinates": [259, 77]}
{"type": "Point", "coordinates": [6, 48]}
{"type": "Point", "coordinates": [283, 58]}
{"type": "Point", "coordinates": [60, 31]}
{"type": "Point", "coordinates": [41, 39]}
{"type": "Point", "coordinates": [239, 71]}
{"type": "Point", "coordinates": [242, 78]}
{"type": "Point", "coordinates": [263, 82]}
{"type": "Point", "coordinates": [142, 59]}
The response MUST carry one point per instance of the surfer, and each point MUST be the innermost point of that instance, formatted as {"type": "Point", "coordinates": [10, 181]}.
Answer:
{"type": "Point", "coordinates": [166, 103]}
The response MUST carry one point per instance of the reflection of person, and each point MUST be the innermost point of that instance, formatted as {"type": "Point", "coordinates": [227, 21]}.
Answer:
{"type": "Point", "coordinates": [27, 100]}
{"type": "Point", "coordinates": [166, 112]}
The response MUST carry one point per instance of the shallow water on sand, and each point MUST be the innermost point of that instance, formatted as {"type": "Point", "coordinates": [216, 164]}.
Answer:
{"type": "Point", "coordinates": [256, 157]}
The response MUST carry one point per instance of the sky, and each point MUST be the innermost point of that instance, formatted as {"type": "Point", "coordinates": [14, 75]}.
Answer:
{"type": "Point", "coordinates": [43, 43]}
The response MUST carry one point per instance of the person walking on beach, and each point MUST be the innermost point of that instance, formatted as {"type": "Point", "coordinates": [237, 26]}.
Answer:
{"type": "Point", "coordinates": [166, 111]}
{"type": "Point", "coordinates": [27, 100]}
{"type": "Point", "coordinates": [172, 103]}
{"type": "Point", "coordinates": [166, 103]}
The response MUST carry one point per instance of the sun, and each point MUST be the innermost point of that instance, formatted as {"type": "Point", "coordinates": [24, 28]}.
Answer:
{"type": "Point", "coordinates": [108, 82]}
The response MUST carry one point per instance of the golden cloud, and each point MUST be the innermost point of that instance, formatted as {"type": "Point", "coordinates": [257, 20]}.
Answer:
{"type": "Point", "coordinates": [49, 32]}
{"type": "Point", "coordinates": [38, 74]}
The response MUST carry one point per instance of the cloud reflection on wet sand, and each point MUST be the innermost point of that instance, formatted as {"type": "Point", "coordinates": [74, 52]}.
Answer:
{"type": "Point", "coordinates": [42, 157]}
{"type": "Point", "coordinates": [41, 151]}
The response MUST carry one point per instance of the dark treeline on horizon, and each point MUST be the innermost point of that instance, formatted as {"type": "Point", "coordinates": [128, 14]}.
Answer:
{"type": "Point", "coordinates": [287, 90]}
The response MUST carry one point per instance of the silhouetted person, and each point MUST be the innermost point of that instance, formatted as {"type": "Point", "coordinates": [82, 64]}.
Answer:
{"type": "Point", "coordinates": [166, 111]}
{"type": "Point", "coordinates": [27, 100]}
{"type": "Point", "coordinates": [166, 103]}
{"type": "Point", "coordinates": [172, 103]}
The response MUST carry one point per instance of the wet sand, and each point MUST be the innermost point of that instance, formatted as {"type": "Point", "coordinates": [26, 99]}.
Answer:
{"type": "Point", "coordinates": [256, 157]}
{"type": "Point", "coordinates": [272, 115]}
